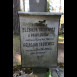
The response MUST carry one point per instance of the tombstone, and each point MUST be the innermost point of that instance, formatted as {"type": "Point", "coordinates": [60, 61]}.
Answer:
{"type": "Point", "coordinates": [39, 39]}
{"type": "Point", "coordinates": [38, 5]}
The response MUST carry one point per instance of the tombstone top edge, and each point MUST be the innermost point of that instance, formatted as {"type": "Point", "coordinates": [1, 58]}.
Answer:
{"type": "Point", "coordinates": [39, 13]}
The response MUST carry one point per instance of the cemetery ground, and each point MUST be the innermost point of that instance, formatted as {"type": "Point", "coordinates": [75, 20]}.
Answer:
{"type": "Point", "coordinates": [17, 55]}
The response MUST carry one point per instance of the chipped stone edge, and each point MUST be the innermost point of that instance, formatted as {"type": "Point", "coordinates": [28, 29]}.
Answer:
{"type": "Point", "coordinates": [40, 13]}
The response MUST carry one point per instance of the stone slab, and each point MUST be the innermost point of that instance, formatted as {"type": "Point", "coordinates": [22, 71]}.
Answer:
{"type": "Point", "coordinates": [40, 13]}
{"type": "Point", "coordinates": [39, 38]}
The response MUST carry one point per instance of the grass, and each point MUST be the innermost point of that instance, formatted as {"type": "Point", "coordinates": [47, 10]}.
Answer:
{"type": "Point", "coordinates": [16, 44]}
{"type": "Point", "coordinates": [60, 39]}
{"type": "Point", "coordinates": [18, 63]}
{"type": "Point", "coordinates": [14, 52]}
{"type": "Point", "coordinates": [16, 47]}
{"type": "Point", "coordinates": [62, 20]}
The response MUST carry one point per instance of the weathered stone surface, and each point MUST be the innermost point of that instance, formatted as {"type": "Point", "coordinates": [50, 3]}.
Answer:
{"type": "Point", "coordinates": [40, 13]}
{"type": "Point", "coordinates": [39, 35]}
{"type": "Point", "coordinates": [38, 5]}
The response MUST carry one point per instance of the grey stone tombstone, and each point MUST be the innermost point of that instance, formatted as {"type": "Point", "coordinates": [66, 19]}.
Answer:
{"type": "Point", "coordinates": [38, 5]}
{"type": "Point", "coordinates": [39, 39]}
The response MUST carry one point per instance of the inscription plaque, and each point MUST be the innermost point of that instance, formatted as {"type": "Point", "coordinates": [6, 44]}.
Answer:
{"type": "Point", "coordinates": [39, 35]}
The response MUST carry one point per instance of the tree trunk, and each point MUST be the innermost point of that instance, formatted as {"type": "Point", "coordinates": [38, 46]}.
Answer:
{"type": "Point", "coordinates": [16, 8]}
{"type": "Point", "coordinates": [24, 5]}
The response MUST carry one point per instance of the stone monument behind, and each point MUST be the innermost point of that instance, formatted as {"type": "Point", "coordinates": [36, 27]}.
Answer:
{"type": "Point", "coordinates": [38, 5]}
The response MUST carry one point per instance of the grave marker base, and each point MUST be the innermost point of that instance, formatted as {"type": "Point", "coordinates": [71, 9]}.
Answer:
{"type": "Point", "coordinates": [39, 72]}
